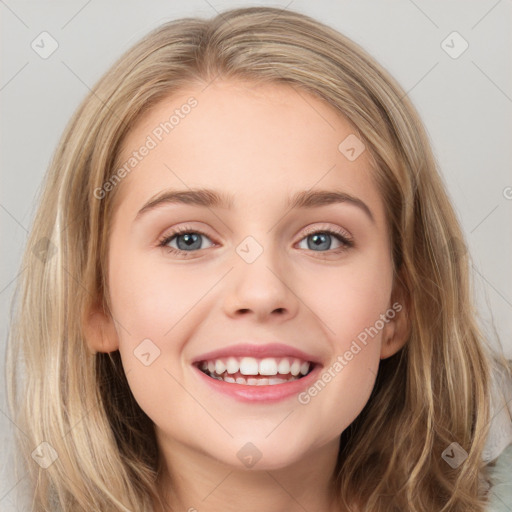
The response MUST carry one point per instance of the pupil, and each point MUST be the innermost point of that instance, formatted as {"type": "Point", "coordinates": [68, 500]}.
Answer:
{"type": "Point", "coordinates": [190, 239]}
{"type": "Point", "coordinates": [321, 240]}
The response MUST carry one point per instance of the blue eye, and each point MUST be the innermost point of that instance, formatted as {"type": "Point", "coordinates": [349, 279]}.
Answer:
{"type": "Point", "coordinates": [189, 240]}
{"type": "Point", "coordinates": [318, 240]}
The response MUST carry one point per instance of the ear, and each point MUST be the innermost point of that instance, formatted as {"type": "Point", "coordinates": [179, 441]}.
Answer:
{"type": "Point", "coordinates": [396, 332]}
{"type": "Point", "coordinates": [99, 330]}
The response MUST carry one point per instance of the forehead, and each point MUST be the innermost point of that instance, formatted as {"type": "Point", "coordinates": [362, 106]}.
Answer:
{"type": "Point", "coordinates": [247, 139]}
{"type": "Point", "coordinates": [228, 112]}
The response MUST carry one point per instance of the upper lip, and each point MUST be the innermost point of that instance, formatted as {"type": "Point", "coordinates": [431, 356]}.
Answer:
{"type": "Point", "coordinates": [257, 351]}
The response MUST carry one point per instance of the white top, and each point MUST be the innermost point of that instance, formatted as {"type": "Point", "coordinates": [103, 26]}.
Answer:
{"type": "Point", "coordinates": [500, 434]}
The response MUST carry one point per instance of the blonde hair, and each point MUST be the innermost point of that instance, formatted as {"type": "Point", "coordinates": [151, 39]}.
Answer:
{"type": "Point", "coordinates": [433, 392]}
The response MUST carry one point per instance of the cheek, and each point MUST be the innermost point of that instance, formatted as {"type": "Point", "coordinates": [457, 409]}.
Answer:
{"type": "Point", "coordinates": [149, 301]}
{"type": "Point", "coordinates": [349, 303]}
{"type": "Point", "coordinates": [151, 311]}
{"type": "Point", "coordinates": [349, 299]}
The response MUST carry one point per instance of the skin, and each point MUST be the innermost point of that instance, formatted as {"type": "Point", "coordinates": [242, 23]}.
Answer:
{"type": "Point", "coordinates": [261, 144]}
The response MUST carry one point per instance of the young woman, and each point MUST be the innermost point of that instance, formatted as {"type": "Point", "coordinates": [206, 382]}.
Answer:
{"type": "Point", "coordinates": [253, 292]}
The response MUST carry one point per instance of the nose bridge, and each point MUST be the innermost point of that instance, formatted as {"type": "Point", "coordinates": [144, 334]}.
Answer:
{"type": "Point", "coordinates": [259, 280]}
{"type": "Point", "coordinates": [260, 262]}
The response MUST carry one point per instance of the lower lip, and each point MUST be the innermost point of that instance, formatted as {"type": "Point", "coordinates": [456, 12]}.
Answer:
{"type": "Point", "coordinates": [267, 393]}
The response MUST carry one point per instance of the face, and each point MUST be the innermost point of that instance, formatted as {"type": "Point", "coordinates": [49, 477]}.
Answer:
{"type": "Point", "coordinates": [258, 289]}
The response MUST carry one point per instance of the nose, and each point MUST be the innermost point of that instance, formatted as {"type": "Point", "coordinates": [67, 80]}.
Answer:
{"type": "Point", "coordinates": [263, 289]}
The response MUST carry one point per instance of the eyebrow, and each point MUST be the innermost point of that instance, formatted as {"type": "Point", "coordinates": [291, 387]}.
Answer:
{"type": "Point", "coordinates": [214, 199]}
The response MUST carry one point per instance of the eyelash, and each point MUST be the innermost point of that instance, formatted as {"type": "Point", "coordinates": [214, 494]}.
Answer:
{"type": "Point", "coordinates": [346, 241]}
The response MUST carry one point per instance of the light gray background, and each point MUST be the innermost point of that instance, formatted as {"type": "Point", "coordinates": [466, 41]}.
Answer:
{"type": "Point", "coordinates": [465, 103]}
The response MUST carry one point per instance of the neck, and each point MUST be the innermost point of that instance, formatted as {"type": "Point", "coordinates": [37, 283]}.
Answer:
{"type": "Point", "coordinates": [193, 481]}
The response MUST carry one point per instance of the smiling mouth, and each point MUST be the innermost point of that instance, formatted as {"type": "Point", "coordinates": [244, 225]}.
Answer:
{"type": "Point", "coordinates": [250, 371]}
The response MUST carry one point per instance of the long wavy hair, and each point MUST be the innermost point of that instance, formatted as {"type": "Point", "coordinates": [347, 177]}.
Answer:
{"type": "Point", "coordinates": [435, 391]}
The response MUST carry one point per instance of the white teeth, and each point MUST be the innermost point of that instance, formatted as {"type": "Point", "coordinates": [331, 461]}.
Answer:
{"type": "Point", "coordinates": [249, 366]}
{"type": "Point", "coordinates": [220, 367]}
{"type": "Point", "coordinates": [295, 367]}
{"type": "Point", "coordinates": [232, 365]}
{"type": "Point", "coordinates": [253, 381]}
{"type": "Point", "coordinates": [268, 366]}
{"type": "Point", "coordinates": [277, 381]}
{"type": "Point", "coordinates": [304, 368]}
{"type": "Point", "coordinates": [284, 367]}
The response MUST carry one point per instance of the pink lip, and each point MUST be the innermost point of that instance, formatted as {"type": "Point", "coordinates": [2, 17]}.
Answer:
{"type": "Point", "coordinates": [258, 351]}
{"type": "Point", "coordinates": [261, 394]}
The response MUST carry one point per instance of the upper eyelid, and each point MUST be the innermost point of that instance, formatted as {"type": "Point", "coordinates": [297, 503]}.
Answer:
{"type": "Point", "coordinates": [307, 231]}
{"type": "Point", "coordinates": [346, 240]}
{"type": "Point", "coordinates": [313, 229]}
